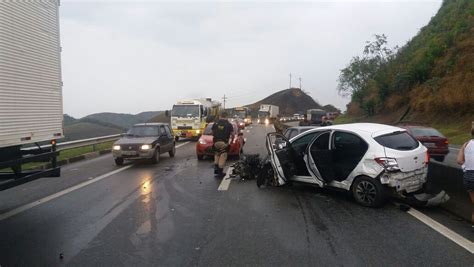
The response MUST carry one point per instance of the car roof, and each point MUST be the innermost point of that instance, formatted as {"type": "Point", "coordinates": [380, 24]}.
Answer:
{"type": "Point", "coordinates": [302, 127]}
{"type": "Point", "coordinates": [151, 124]}
{"type": "Point", "coordinates": [374, 129]}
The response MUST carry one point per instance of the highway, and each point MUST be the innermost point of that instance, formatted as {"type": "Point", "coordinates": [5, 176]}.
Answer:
{"type": "Point", "coordinates": [172, 214]}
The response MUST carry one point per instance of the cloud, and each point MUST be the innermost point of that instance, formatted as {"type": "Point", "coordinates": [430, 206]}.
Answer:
{"type": "Point", "coordinates": [130, 57]}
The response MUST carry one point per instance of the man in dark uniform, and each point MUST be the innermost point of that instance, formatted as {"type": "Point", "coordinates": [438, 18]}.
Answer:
{"type": "Point", "coordinates": [221, 130]}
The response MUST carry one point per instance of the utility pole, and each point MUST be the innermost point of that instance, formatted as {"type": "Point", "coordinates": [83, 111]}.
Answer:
{"type": "Point", "coordinates": [224, 98]}
{"type": "Point", "coordinates": [300, 84]}
{"type": "Point", "coordinates": [290, 81]}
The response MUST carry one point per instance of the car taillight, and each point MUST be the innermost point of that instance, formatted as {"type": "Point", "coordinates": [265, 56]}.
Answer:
{"type": "Point", "coordinates": [446, 142]}
{"type": "Point", "coordinates": [427, 158]}
{"type": "Point", "coordinates": [389, 164]}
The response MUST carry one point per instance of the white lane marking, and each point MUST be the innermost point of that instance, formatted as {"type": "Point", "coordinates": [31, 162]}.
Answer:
{"type": "Point", "coordinates": [26, 207]}
{"type": "Point", "coordinates": [448, 233]}
{"type": "Point", "coordinates": [58, 194]}
{"type": "Point", "coordinates": [248, 131]}
{"type": "Point", "coordinates": [185, 143]}
{"type": "Point", "coordinates": [225, 183]}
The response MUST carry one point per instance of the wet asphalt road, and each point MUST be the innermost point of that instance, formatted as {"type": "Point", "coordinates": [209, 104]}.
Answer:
{"type": "Point", "coordinates": [171, 214]}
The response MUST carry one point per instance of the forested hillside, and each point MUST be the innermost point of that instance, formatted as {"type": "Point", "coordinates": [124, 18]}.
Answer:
{"type": "Point", "coordinates": [432, 76]}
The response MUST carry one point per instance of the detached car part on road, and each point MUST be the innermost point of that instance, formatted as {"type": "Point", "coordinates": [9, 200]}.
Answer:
{"type": "Point", "coordinates": [372, 161]}
{"type": "Point", "coordinates": [145, 141]}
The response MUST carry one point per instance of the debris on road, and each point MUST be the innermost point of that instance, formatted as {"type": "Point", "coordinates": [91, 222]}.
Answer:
{"type": "Point", "coordinates": [252, 167]}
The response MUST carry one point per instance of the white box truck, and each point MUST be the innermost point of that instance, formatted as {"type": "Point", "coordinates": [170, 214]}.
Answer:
{"type": "Point", "coordinates": [268, 113]}
{"type": "Point", "coordinates": [31, 109]}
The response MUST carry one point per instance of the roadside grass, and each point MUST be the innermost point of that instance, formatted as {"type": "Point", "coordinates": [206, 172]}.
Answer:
{"type": "Point", "coordinates": [455, 133]}
{"type": "Point", "coordinates": [68, 154]}
{"type": "Point", "coordinates": [344, 118]}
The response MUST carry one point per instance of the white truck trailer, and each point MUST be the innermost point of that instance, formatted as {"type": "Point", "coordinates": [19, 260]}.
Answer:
{"type": "Point", "coordinates": [268, 113]}
{"type": "Point", "coordinates": [31, 109]}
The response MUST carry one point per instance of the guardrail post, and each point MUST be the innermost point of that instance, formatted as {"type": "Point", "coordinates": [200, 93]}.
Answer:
{"type": "Point", "coordinates": [94, 147]}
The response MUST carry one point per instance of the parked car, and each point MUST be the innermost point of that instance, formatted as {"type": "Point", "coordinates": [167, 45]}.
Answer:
{"type": "Point", "coordinates": [294, 131]}
{"type": "Point", "coordinates": [205, 142]}
{"type": "Point", "coordinates": [436, 142]}
{"type": "Point", "coordinates": [369, 160]}
{"type": "Point", "coordinates": [144, 141]}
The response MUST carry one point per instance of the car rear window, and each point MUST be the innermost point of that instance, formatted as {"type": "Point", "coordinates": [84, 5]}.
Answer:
{"type": "Point", "coordinates": [426, 132]}
{"type": "Point", "coordinates": [398, 141]}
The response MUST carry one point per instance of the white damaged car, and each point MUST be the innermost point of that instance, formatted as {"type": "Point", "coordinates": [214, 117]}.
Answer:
{"type": "Point", "coordinates": [372, 161]}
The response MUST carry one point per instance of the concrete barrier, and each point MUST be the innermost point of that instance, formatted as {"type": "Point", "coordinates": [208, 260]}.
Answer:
{"type": "Point", "coordinates": [449, 179]}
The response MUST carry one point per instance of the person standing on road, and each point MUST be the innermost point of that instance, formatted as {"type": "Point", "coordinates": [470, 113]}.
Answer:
{"type": "Point", "coordinates": [221, 130]}
{"type": "Point", "coordinates": [466, 159]}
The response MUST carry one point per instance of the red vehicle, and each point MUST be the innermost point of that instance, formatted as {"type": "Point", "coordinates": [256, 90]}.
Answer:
{"type": "Point", "coordinates": [205, 143]}
{"type": "Point", "coordinates": [436, 142]}
{"type": "Point", "coordinates": [240, 123]}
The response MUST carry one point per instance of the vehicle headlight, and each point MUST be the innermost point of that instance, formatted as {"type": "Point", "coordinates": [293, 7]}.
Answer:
{"type": "Point", "coordinates": [145, 147]}
{"type": "Point", "coordinates": [116, 147]}
{"type": "Point", "coordinates": [267, 121]}
{"type": "Point", "coordinates": [246, 120]}
{"type": "Point", "coordinates": [258, 121]}
{"type": "Point", "coordinates": [198, 131]}
{"type": "Point", "coordinates": [202, 141]}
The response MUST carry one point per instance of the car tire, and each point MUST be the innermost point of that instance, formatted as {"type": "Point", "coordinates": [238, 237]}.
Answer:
{"type": "Point", "coordinates": [118, 161]}
{"type": "Point", "coordinates": [438, 158]}
{"type": "Point", "coordinates": [176, 138]}
{"type": "Point", "coordinates": [368, 192]}
{"type": "Point", "coordinates": [172, 151]}
{"type": "Point", "coordinates": [156, 156]}
{"type": "Point", "coordinates": [200, 157]}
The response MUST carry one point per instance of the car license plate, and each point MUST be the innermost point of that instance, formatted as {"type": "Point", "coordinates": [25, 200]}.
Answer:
{"type": "Point", "coordinates": [129, 153]}
{"type": "Point", "coordinates": [429, 144]}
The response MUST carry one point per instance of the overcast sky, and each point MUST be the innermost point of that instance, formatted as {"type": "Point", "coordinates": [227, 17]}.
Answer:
{"type": "Point", "coordinates": [131, 56]}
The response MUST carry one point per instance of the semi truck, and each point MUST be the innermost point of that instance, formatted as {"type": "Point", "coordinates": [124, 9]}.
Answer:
{"type": "Point", "coordinates": [317, 117]}
{"type": "Point", "coordinates": [242, 113]}
{"type": "Point", "coordinates": [31, 108]}
{"type": "Point", "coordinates": [268, 113]}
{"type": "Point", "coordinates": [190, 117]}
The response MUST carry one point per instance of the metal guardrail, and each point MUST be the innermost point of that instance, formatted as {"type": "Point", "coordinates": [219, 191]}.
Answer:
{"type": "Point", "coordinates": [81, 143]}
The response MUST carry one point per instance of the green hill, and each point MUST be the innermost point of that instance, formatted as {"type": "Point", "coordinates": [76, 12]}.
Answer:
{"type": "Point", "coordinates": [123, 120]}
{"type": "Point", "coordinates": [429, 79]}
{"type": "Point", "coordinates": [84, 130]}
{"type": "Point", "coordinates": [290, 101]}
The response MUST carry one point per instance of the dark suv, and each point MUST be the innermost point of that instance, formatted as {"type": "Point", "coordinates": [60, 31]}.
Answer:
{"type": "Point", "coordinates": [145, 141]}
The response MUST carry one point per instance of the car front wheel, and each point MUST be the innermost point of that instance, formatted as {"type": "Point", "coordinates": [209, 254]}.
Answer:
{"type": "Point", "coordinates": [368, 192]}
{"type": "Point", "coordinates": [118, 161]}
{"type": "Point", "coordinates": [173, 151]}
{"type": "Point", "coordinates": [156, 157]}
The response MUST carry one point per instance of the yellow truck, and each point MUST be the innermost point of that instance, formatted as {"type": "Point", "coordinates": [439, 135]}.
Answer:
{"type": "Point", "coordinates": [190, 117]}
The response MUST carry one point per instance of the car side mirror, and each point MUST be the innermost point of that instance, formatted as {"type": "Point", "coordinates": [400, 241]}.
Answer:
{"type": "Point", "coordinates": [240, 134]}
{"type": "Point", "coordinates": [167, 113]}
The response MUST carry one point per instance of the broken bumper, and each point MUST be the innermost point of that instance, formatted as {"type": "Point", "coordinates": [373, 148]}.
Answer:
{"type": "Point", "coordinates": [427, 200]}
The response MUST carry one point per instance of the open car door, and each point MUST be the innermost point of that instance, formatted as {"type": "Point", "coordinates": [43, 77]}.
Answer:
{"type": "Point", "coordinates": [278, 148]}
{"type": "Point", "coordinates": [318, 158]}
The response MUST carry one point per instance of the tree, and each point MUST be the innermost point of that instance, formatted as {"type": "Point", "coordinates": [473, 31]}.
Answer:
{"type": "Point", "coordinates": [356, 76]}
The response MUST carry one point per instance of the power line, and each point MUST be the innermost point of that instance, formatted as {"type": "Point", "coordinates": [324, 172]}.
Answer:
{"type": "Point", "coordinates": [290, 81]}
{"type": "Point", "coordinates": [224, 98]}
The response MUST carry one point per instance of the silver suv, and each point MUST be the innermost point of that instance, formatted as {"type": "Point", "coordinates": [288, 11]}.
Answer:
{"type": "Point", "coordinates": [144, 141]}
